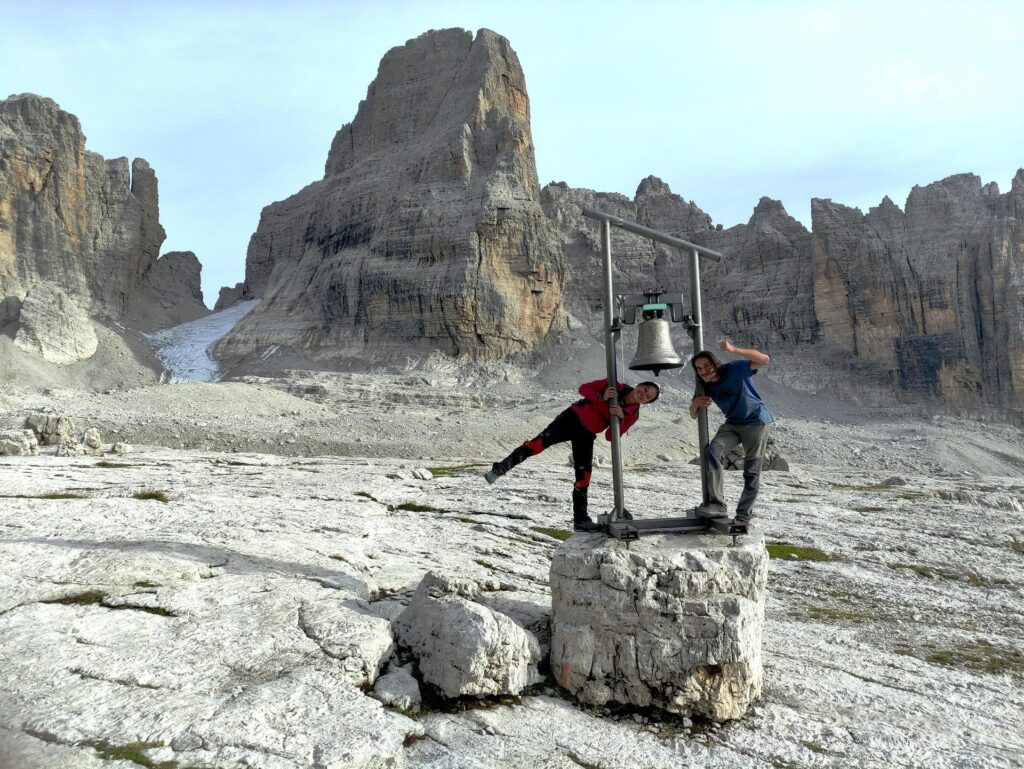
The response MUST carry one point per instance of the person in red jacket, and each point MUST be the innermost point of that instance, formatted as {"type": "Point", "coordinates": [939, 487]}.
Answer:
{"type": "Point", "coordinates": [580, 424]}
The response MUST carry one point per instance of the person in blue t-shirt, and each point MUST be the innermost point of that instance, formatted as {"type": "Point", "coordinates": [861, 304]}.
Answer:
{"type": "Point", "coordinates": [747, 421]}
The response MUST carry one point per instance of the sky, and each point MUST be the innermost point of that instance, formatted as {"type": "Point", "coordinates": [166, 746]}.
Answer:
{"type": "Point", "coordinates": [234, 104]}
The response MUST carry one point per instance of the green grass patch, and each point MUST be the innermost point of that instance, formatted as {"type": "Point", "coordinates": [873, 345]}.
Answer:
{"type": "Point", "coordinates": [814, 747]}
{"type": "Point", "coordinates": [485, 564]}
{"type": "Point", "coordinates": [133, 752]}
{"type": "Point", "coordinates": [1017, 546]}
{"type": "Point", "coordinates": [145, 583]}
{"type": "Point", "coordinates": [787, 552]}
{"type": "Point", "coordinates": [559, 534]}
{"type": "Point", "coordinates": [108, 464]}
{"type": "Point", "coordinates": [869, 509]}
{"type": "Point", "coordinates": [416, 507]}
{"type": "Point", "coordinates": [934, 572]}
{"type": "Point", "coordinates": [912, 495]}
{"type": "Point", "coordinates": [980, 656]}
{"type": "Point", "coordinates": [367, 495]}
{"type": "Point", "coordinates": [460, 519]}
{"type": "Point", "coordinates": [159, 496]}
{"type": "Point", "coordinates": [451, 470]}
{"type": "Point", "coordinates": [831, 614]}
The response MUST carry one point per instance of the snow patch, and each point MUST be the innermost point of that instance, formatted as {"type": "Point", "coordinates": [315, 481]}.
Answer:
{"type": "Point", "coordinates": [184, 350]}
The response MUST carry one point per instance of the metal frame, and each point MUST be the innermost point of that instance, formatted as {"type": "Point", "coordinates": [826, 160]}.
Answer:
{"type": "Point", "coordinates": [616, 523]}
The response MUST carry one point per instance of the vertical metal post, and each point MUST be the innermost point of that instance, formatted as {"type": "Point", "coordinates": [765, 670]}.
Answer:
{"type": "Point", "coordinates": [611, 336]}
{"type": "Point", "coordinates": [698, 345]}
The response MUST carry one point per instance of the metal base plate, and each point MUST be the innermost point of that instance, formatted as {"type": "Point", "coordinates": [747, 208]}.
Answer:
{"type": "Point", "coordinates": [689, 525]}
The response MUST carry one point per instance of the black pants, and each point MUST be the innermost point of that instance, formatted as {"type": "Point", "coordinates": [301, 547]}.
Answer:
{"type": "Point", "coordinates": [565, 427]}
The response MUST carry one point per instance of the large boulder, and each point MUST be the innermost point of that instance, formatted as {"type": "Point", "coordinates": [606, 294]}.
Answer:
{"type": "Point", "coordinates": [426, 232]}
{"type": "Point", "coordinates": [671, 621]}
{"type": "Point", "coordinates": [52, 428]}
{"type": "Point", "coordinates": [18, 443]}
{"type": "Point", "coordinates": [54, 327]}
{"type": "Point", "coordinates": [463, 647]}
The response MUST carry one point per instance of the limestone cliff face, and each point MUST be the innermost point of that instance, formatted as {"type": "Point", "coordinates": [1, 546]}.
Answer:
{"type": "Point", "coordinates": [760, 292]}
{"type": "Point", "coordinates": [426, 231]}
{"type": "Point", "coordinates": [927, 302]}
{"type": "Point", "coordinates": [87, 225]}
{"type": "Point", "coordinates": [170, 292]}
{"type": "Point", "coordinates": [638, 263]}
{"type": "Point", "coordinates": [932, 295]}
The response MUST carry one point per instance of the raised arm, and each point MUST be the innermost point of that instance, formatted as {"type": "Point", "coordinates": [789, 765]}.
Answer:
{"type": "Point", "coordinates": [757, 358]}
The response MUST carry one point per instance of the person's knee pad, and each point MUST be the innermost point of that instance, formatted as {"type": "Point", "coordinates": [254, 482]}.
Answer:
{"type": "Point", "coordinates": [582, 480]}
{"type": "Point", "coordinates": [534, 446]}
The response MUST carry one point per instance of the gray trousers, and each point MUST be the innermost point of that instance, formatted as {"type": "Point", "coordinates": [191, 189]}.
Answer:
{"type": "Point", "coordinates": [754, 439]}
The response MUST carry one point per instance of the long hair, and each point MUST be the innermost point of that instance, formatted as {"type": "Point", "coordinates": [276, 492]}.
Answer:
{"type": "Point", "coordinates": [707, 355]}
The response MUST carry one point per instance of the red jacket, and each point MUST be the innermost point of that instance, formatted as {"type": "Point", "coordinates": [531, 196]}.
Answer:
{"type": "Point", "coordinates": [593, 411]}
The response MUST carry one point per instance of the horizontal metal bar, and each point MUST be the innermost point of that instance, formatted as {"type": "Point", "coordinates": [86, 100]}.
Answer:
{"type": "Point", "coordinates": [647, 232]}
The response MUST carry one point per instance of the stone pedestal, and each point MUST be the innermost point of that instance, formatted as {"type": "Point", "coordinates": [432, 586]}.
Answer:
{"type": "Point", "coordinates": [671, 621]}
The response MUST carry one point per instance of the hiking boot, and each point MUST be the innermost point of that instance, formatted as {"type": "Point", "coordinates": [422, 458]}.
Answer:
{"type": "Point", "coordinates": [494, 473]}
{"type": "Point", "coordinates": [712, 510]}
{"type": "Point", "coordinates": [586, 523]}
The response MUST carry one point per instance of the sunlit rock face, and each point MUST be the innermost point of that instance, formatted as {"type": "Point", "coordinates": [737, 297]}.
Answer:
{"type": "Point", "coordinates": [87, 225]}
{"type": "Point", "coordinates": [84, 227]}
{"type": "Point", "coordinates": [53, 327]}
{"type": "Point", "coordinates": [426, 232]}
{"type": "Point", "coordinates": [932, 295]}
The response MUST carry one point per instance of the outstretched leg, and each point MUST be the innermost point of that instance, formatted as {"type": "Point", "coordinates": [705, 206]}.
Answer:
{"type": "Point", "coordinates": [556, 432]}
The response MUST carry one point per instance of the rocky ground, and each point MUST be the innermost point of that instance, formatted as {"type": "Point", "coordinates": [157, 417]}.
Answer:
{"type": "Point", "coordinates": [151, 605]}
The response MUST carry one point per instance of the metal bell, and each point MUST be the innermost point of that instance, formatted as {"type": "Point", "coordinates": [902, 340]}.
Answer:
{"type": "Point", "coordinates": [654, 350]}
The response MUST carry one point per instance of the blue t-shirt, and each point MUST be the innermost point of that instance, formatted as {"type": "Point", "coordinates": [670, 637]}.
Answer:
{"type": "Point", "coordinates": [735, 395]}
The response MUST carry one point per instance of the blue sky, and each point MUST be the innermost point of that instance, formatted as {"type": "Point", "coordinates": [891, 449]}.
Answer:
{"type": "Point", "coordinates": [235, 103]}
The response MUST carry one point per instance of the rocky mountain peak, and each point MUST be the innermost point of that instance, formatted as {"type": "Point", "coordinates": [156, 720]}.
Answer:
{"type": "Point", "coordinates": [86, 226]}
{"type": "Point", "coordinates": [652, 185]}
{"type": "Point", "coordinates": [426, 232]}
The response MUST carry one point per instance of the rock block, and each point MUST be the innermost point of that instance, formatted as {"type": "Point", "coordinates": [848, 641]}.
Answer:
{"type": "Point", "coordinates": [463, 647]}
{"type": "Point", "coordinates": [398, 689]}
{"type": "Point", "coordinates": [673, 621]}
{"type": "Point", "coordinates": [54, 327]}
{"type": "Point", "coordinates": [53, 429]}
{"type": "Point", "coordinates": [362, 644]}
{"type": "Point", "coordinates": [18, 443]}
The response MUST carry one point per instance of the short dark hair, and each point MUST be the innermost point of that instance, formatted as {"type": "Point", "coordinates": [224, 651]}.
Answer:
{"type": "Point", "coordinates": [709, 356]}
{"type": "Point", "coordinates": [657, 390]}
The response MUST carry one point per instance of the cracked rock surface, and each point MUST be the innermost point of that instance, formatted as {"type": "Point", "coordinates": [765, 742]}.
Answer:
{"type": "Point", "coordinates": [238, 624]}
